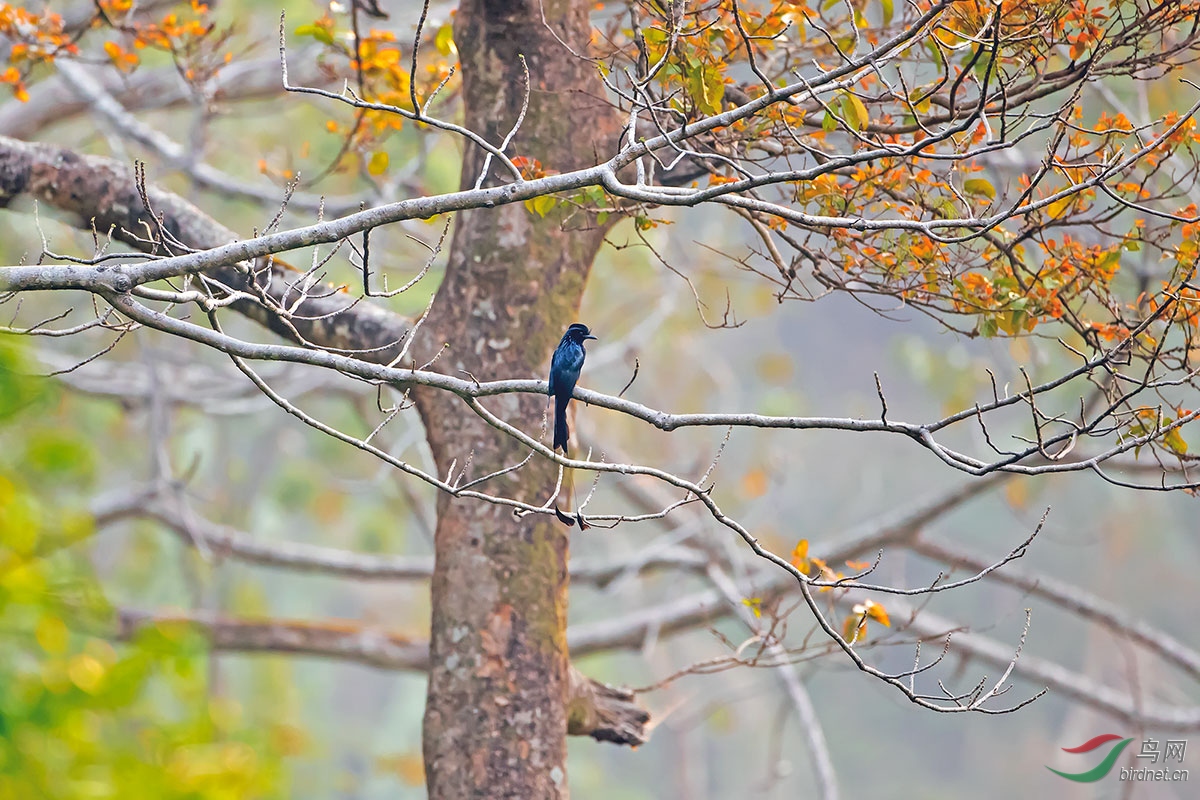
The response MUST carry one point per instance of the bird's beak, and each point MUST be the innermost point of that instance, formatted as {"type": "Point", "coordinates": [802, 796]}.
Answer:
{"type": "Point", "coordinates": [589, 336]}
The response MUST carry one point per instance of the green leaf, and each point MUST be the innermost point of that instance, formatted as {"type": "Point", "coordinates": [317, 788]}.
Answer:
{"type": "Point", "coordinates": [654, 36]}
{"type": "Point", "coordinates": [321, 34]}
{"type": "Point", "coordinates": [444, 40]}
{"type": "Point", "coordinates": [979, 188]}
{"type": "Point", "coordinates": [888, 11]}
{"type": "Point", "coordinates": [706, 88]}
{"type": "Point", "coordinates": [57, 455]}
{"type": "Point", "coordinates": [16, 391]}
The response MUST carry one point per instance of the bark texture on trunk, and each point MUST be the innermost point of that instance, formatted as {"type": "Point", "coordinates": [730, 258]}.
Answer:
{"type": "Point", "coordinates": [496, 714]}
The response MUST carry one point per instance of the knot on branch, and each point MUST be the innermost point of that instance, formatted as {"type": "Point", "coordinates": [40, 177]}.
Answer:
{"type": "Point", "coordinates": [605, 713]}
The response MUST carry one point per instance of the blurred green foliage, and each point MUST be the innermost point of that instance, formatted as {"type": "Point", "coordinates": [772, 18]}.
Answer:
{"type": "Point", "coordinates": [82, 716]}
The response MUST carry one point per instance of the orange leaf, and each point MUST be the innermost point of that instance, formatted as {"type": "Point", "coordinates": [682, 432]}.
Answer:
{"type": "Point", "coordinates": [854, 629]}
{"type": "Point", "coordinates": [869, 608]}
{"type": "Point", "coordinates": [754, 483]}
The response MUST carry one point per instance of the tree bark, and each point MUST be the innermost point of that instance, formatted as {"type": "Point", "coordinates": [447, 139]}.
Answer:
{"type": "Point", "coordinates": [496, 715]}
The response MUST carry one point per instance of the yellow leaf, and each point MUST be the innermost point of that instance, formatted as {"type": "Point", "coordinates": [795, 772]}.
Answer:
{"type": "Point", "coordinates": [799, 558]}
{"type": "Point", "coordinates": [51, 634]}
{"type": "Point", "coordinates": [1059, 207]}
{"type": "Point", "coordinates": [541, 205]}
{"type": "Point", "coordinates": [378, 163]}
{"type": "Point", "coordinates": [85, 672]}
{"type": "Point", "coordinates": [1174, 440]}
{"type": "Point", "coordinates": [947, 37]}
{"type": "Point", "coordinates": [754, 604]}
{"type": "Point", "coordinates": [854, 111]}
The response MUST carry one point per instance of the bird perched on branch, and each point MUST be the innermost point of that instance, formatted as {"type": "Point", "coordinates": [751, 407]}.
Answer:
{"type": "Point", "coordinates": [564, 372]}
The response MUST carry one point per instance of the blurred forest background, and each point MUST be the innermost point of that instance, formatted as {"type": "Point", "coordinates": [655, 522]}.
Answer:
{"type": "Point", "coordinates": [159, 712]}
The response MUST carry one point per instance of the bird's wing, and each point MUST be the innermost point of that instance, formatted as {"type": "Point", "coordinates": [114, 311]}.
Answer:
{"type": "Point", "coordinates": [573, 361]}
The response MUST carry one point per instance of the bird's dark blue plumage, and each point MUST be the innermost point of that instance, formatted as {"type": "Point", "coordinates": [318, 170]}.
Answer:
{"type": "Point", "coordinates": [564, 373]}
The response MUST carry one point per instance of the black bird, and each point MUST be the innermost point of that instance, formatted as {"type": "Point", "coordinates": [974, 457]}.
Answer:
{"type": "Point", "coordinates": [564, 372]}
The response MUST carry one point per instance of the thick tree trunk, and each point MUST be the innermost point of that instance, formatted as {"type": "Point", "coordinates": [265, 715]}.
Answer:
{"type": "Point", "coordinates": [496, 718]}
